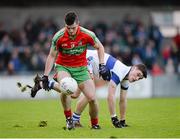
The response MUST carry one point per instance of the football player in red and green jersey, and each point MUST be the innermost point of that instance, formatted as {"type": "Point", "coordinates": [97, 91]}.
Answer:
{"type": "Point", "coordinates": [68, 52]}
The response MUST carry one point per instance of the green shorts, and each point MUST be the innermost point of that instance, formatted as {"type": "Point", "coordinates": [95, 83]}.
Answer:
{"type": "Point", "coordinates": [80, 74]}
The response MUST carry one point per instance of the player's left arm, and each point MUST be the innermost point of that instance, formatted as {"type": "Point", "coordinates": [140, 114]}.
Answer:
{"type": "Point", "coordinates": [123, 104]}
{"type": "Point", "coordinates": [123, 99]}
{"type": "Point", "coordinates": [103, 70]}
{"type": "Point", "coordinates": [100, 48]}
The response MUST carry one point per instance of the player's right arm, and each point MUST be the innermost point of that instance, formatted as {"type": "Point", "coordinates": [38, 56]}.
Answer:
{"type": "Point", "coordinates": [48, 67]}
{"type": "Point", "coordinates": [50, 61]}
{"type": "Point", "coordinates": [49, 64]}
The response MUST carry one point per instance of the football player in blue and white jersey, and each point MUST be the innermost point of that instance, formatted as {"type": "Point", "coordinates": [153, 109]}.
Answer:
{"type": "Point", "coordinates": [120, 74]}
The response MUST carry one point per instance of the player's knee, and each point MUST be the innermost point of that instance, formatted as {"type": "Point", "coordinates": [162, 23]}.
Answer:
{"type": "Point", "coordinates": [92, 99]}
{"type": "Point", "coordinates": [74, 96]}
{"type": "Point", "coordinates": [92, 102]}
{"type": "Point", "coordinates": [63, 97]}
{"type": "Point", "coordinates": [110, 96]}
{"type": "Point", "coordinates": [122, 99]}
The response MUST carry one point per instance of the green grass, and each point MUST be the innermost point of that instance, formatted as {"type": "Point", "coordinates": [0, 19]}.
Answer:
{"type": "Point", "coordinates": [147, 118]}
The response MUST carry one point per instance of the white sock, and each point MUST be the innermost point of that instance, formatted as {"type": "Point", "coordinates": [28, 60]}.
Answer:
{"type": "Point", "coordinates": [114, 115]}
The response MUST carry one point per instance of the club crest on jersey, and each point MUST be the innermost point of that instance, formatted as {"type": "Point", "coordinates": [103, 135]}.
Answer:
{"type": "Point", "coordinates": [64, 45]}
{"type": "Point", "coordinates": [72, 45]}
{"type": "Point", "coordinates": [80, 43]}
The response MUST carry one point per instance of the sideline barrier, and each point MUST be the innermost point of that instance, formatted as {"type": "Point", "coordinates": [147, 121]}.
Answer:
{"type": "Point", "coordinates": [9, 89]}
{"type": "Point", "coordinates": [163, 86]}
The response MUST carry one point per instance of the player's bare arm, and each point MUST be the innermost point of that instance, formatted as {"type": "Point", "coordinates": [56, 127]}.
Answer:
{"type": "Point", "coordinates": [123, 104]}
{"type": "Point", "coordinates": [98, 45]}
{"type": "Point", "coordinates": [50, 61]}
{"type": "Point", "coordinates": [103, 71]}
{"type": "Point", "coordinates": [48, 67]}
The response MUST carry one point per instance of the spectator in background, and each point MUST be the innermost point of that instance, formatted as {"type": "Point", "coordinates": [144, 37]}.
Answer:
{"type": "Point", "coordinates": [136, 59]}
{"type": "Point", "coordinates": [170, 51]}
{"type": "Point", "coordinates": [169, 68]}
{"type": "Point", "coordinates": [177, 42]}
{"type": "Point", "coordinates": [141, 34]}
{"type": "Point", "coordinates": [23, 38]}
{"type": "Point", "coordinates": [14, 65]}
{"type": "Point", "coordinates": [100, 29]}
{"type": "Point", "coordinates": [6, 48]}
{"type": "Point", "coordinates": [174, 55]}
{"type": "Point", "coordinates": [155, 35]}
{"type": "Point", "coordinates": [15, 36]}
{"type": "Point", "coordinates": [178, 71]}
{"type": "Point", "coordinates": [26, 59]}
{"type": "Point", "coordinates": [2, 30]}
{"type": "Point", "coordinates": [115, 50]}
{"type": "Point", "coordinates": [177, 38]}
{"type": "Point", "coordinates": [38, 60]}
{"type": "Point", "coordinates": [156, 70]}
{"type": "Point", "coordinates": [30, 31]}
{"type": "Point", "coordinates": [49, 27]}
{"type": "Point", "coordinates": [128, 23]}
{"type": "Point", "coordinates": [150, 54]}
{"type": "Point", "coordinates": [166, 52]}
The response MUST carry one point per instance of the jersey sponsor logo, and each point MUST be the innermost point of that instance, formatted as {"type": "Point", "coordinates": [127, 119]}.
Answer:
{"type": "Point", "coordinates": [74, 51]}
{"type": "Point", "coordinates": [68, 46]}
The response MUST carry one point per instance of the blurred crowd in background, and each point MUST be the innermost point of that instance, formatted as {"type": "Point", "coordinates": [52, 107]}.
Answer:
{"type": "Point", "coordinates": [25, 49]}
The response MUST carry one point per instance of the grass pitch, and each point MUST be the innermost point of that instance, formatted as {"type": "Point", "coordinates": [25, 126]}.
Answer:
{"type": "Point", "coordinates": [148, 118]}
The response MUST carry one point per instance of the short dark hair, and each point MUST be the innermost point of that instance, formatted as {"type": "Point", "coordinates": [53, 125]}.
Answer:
{"type": "Point", "coordinates": [70, 18]}
{"type": "Point", "coordinates": [143, 69]}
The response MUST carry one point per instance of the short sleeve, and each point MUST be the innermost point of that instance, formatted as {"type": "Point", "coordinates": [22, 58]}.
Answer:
{"type": "Point", "coordinates": [53, 44]}
{"type": "Point", "coordinates": [56, 37]}
{"type": "Point", "coordinates": [93, 39]}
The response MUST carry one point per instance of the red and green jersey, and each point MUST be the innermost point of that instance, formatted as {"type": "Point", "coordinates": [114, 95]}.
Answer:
{"type": "Point", "coordinates": [72, 51]}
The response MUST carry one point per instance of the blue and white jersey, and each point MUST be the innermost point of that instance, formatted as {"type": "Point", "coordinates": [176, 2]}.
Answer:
{"type": "Point", "coordinates": [117, 68]}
